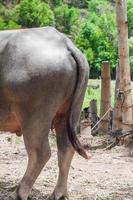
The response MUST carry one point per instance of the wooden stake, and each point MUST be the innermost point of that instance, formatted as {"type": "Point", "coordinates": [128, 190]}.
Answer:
{"type": "Point", "coordinates": [124, 74]}
{"type": "Point", "coordinates": [93, 111]}
{"type": "Point", "coordinates": [117, 112]}
{"type": "Point", "coordinates": [105, 97]}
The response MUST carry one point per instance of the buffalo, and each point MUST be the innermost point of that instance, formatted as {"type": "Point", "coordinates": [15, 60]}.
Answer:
{"type": "Point", "coordinates": [43, 78]}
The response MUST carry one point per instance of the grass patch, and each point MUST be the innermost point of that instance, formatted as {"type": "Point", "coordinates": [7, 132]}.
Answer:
{"type": "Point", "coordinates": [96, 93]}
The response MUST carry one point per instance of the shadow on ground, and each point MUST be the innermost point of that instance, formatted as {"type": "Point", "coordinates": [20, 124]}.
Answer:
{"type": "Point", "coordinates": [6, 188]}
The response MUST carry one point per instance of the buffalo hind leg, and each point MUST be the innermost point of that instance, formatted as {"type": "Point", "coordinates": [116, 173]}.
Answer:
{"type": "Point", "coordinates": [65, 155]}
{"type": "Point", "coordinates": [37, 146]}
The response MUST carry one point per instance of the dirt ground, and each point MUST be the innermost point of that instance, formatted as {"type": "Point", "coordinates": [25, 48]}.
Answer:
{"type": "Point", "coordinates": [107, 176]}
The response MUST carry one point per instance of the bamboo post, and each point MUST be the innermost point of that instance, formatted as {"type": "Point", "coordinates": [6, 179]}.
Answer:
{"type": "Point", "coordinates": [124, 73]}
{"type": "Point", "coordinates": [105, 97]}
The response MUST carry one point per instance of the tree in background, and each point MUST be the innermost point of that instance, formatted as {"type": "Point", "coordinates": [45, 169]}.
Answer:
{"type": "Point", "coordinates": [97, 36]}
{"type": "Point", "coordinates": [66, 18]}
{"type": "Point", "coordinates": [123, 103]}
{"type": "Point", "coordinates": [34, 13]}
{"type": "Point", "coordinates": [7, 20]}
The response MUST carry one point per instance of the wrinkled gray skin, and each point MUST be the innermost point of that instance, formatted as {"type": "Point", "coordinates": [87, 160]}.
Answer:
{"type": "Point", "coordinates": [43, 77]}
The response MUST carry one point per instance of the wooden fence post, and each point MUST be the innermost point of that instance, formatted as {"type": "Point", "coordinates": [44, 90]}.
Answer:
{"type": "Point", "coordinates": [124, 73]}
{"type": "Point", "coordinates": [93, 116]}
{"type": "Point", "coordinates": [93, 111]}
{"type": "Point", "coordinates": [105, 97]}
{"type": "Point", "coordinates": [117, 112]}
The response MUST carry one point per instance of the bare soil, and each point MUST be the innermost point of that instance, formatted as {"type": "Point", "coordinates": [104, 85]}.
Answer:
{"type": "Point", "coordinates": [108, 175]}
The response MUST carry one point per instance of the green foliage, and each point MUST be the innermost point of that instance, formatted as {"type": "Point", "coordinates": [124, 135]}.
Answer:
{"type": "Point", "coordinates": [53, 3]}
{"type": "Point", "coordinates": [130, 21]}
{"type": "Point", "coordinates": [97, 6]}
{"type": "Point", "coordinates": [79, 3]}
{"type": "Point", "coordinates": [66, 18]}
{"type": "Point", "coordinates": [97, 36]}
{"type": "Point", "coordinates": [2, 24]}
{"type": "Point", "coordinates": [34, 13]}
{"type": "Point", "coordinates": [130, 16]}
{"type": "Point", "coordinates": [7, 19]}
{"type": "Point", "coordinates": [131, 55]}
